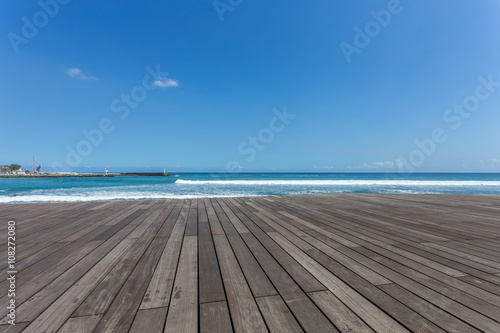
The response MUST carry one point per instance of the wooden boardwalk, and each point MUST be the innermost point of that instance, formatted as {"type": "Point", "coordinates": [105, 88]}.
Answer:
{"type": "Point", "coordinates": [315, 263]}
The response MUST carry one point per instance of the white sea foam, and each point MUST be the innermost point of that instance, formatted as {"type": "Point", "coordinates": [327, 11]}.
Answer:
{"type": "Point", "coordinates": [341, 182]}
{"type": "Point", "coordinates": [110, 197]}
{"type": "Point", "coordinates": [183, 189]}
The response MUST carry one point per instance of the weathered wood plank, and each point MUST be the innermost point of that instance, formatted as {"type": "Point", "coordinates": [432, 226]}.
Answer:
{"type": "Point", "coordinates": [149, 320]}
{"type": "Point", "coordinates": [160, 287]}
{"type": "Point", "coordinates": [17, 328]}
{"type": "Point", "coordinates": [210, 280]}
{"type": "Point", "coordinates": [214, 317]}
{"type": "Point", "coordinates": [102, 296]}
{"type": "Point", "coordinates": [302, 277]}
{"type": "Point", "coordinates": [80, 324]}
{"type": "Point", "coordinates": [245, 314]}
{"type": "Point", "coordinates": [277, 315]}
{"type": "Point", "coordinates": [343, 317]}
{"type": "Point", "coordinates": [428, 310]}
{"type": "Point", "coordinates": [255, 276]}
{"type": "Point", "coordinates": [183, 308]}
{"type": "Point", "coordinates": [192, 219]}
{"type": "Point", "coordinates": [53, 316]}
{"type": "Point", "coordinates": [372, 315]}
{"type": "Point", "coordinates": [120, 314]}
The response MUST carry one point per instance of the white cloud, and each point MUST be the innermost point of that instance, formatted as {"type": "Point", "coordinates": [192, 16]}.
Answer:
{"type": "Point", "coordinates": [324, 168]}
{"type": "Point", "coordinates": [164, 82]}
{"type": "Point", "coordinates": [73, 72]}
{"type": "Point", "coordinates": [377, 165]}
{"type": "Point", "coordinates": [386, 164]}
{"type": "Point", "coordinates": [491, 163]}
{"type": "Point", "coordinates": [78, 74]}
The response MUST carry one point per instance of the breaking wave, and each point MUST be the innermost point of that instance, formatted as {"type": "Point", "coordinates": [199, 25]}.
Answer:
{"type": "Point", "coordinates": [341, 182]}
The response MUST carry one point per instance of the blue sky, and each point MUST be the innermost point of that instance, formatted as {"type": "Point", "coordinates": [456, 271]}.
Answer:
{"type": "Point", "coordinates": [217, 89]}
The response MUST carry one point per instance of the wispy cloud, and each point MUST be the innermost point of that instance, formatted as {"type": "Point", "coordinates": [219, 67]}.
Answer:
{"type": "Point", "coordinates": [399, 163]}
{"type": "Point", "coordinates": [164, 82]}
{"type": "Point", "coordinates": [323, 168]}
{"type": "Point", "coordinates": [386, 164]}
{"type": "Point", "coordinates": [491, 163]}
{"type": "Point", "coordinates": [78, 74]}
{"type": "Point", "coordinates": [376, 165]}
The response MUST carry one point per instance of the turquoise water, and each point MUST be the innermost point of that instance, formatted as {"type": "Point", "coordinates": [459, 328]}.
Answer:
{"type": "Point", "coordinates": [199, 185]}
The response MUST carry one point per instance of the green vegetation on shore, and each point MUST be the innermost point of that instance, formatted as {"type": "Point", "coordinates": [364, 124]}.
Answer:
{"type": "Point", "coordinates": [12, 167]}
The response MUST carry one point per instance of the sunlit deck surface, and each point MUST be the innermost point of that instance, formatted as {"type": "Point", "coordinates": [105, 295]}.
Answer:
{"type": "Point", "coordinates": [315, 263]}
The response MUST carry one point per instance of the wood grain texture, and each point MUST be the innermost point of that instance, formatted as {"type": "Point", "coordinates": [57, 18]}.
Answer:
{"type": "Point", "coordinates": [313, 263]}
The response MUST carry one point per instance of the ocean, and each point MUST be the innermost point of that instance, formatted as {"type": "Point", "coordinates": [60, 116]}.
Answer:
{"type": "Point", "coordinates": [203, 185]}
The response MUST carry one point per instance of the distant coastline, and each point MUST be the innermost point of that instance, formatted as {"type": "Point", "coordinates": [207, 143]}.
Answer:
{"type": "Point", "coordinates": [83, 175]}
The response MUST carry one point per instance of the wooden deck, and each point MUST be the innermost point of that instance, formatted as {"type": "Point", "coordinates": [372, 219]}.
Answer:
{"type": "Point", "coordinates": [316, 263]}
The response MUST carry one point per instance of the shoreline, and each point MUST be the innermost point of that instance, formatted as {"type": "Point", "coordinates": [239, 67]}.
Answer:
{"type": "Point", "coordinates": [90, 175]}
{"type": "Point", "coordinates": [57, 176]}
{"type": "Point", "coordinates": [230, 196]}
